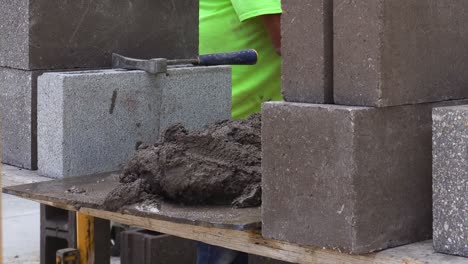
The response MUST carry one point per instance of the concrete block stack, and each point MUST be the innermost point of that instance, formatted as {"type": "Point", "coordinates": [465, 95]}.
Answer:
{"type": "Point", "coordinates": [355, 173]}
{"type": "Point", "coordinates": [450, 179]}
{"type": "Point", "coordinates": [58, 231]}
{"type": "Point", "coordinates": [45, 35]}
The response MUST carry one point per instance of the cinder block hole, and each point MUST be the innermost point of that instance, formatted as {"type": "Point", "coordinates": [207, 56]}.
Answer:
{"type": "Point", "coordinates": [149, 232]}
{"type": "Point", "coordinates": [52, 244]}
{"type": "Point", "coordinates": [56, 214]}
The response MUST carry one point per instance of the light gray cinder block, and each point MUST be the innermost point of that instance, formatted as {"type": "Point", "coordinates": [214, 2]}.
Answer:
{"type": "Point", "coordinates": [92, 121]}
{"type": "Point", "coordinates": [56, 34]}
{"type": "Point", "coordinates": [396, 52]}
{"type": "Point", "coordinates": [450, 179]}
{"type": "Point", "coordinates": [307, 51]}
{"type": "Point", "coordinates": [356, 179]}
{"type": "Point", "coordinates": [18, 90]}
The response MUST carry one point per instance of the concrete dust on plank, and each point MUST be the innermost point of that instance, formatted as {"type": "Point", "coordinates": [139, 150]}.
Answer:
{"type": "Point", "coordinates": [12, 176]}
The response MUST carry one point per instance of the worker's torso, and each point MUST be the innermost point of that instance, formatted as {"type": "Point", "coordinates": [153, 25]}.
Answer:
{"type": "Point", "coordinates": [222, 31]}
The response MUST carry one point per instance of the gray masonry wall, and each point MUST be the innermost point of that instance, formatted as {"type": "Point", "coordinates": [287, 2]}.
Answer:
{"type": "Point", "coordinates": [307, 47]}
{"type": "Point", "coordinates": [395, 52]}
{"type": "Point", "coordinates": [91, 122]}
{"type": "Point", "coordinates": [18, 117]}
{"type": "Point", "coordinates": [450, 179]}
{"type": "Point", "coordinates": [353, 178]}
{"type": "Point", "coordinates": [56, 34]}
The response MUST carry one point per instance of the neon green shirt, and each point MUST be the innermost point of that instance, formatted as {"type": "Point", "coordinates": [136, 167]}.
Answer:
{"type": "Point", "coordinates": [232, 25]}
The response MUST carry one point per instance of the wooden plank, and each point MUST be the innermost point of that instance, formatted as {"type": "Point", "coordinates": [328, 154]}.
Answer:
{"type": "Point", "coordinates": [58, 204]}
{"type": "Point", "coordinates": [252, 242]}
{"type": "Point", "coordinates": [90, 191]}
{"type": "Point", "coordinates": [246, 241]}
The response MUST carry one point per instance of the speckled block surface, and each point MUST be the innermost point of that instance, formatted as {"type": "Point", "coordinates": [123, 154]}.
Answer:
{"type": "Point", "coordinates": [92, 121]}
{"type": "Point", "coordinates": [450, 179]}
{"type": "Point", "coordinates": [18, 94]}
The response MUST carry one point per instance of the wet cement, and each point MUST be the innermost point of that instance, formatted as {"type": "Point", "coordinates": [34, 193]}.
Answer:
{"type": "Point", "coordinates": [220, 165]}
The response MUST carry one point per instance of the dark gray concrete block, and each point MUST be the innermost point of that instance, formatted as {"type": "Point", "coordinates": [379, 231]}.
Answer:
{"type": "Point", "coordinates": [18, 90]}
{"type": "Point", "coordinates": [146, 247]}
{"type": "Point", "coordinates": [55, 34]}
{"type": "Point", "coordinates": [450, 179]}
{"type": "Point", "coordinates": [58, 231]}
{"type": "Point", "coordinates": [254, 259]}
{"type": "Point", "coordinates": [395, 52]}
{"type": "Point", "coordinates": [92, 121]}
{"type": "Point", "coordinates": [356, 179]}
{"type": "Point", "coordinates": [307, 51]}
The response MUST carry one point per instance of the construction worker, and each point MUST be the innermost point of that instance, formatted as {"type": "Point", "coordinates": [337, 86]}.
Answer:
{"type": "Point", "coordinates": [232, 25]}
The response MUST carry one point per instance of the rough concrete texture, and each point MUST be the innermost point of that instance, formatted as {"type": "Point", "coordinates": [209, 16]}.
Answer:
{"type": "Point", "coordinates": [14, 30]}
{"type": "Point", "coordinates": [55, 34]}
{"type": "Point", "coordinates": [357, 179]}
{"type": "Point", "coordinates": [395, 52]}
{"type": "Point", "coordinates": [93, 121]}
{"type": "Point", "coordinates": [450, 179]}
{"type": "Point", "coordinates": [18, 91]}
{"type": "Point", "coordinates": [307, 49]}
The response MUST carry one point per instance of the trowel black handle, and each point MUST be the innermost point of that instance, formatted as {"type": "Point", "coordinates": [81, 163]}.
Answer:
{"type": "Point", "coordinates": [243, 57]}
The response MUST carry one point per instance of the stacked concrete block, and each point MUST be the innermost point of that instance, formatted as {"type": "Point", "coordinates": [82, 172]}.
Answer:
{"type": "Point", "coordinates": [55, 34]}
{"type": "Point", "coordinates": [353, 178]}
{"type": "Point", "coordinates": [395, 52]}
{"type": "Point", "coordinates": [307, 51]}
{"type": "Point", "coordinates": [58, 231]}
{"type": "Point", "coordinates": [92, 122]}
{"type": "Point", "coordinates": [146, 247]}
{"type": "Point", "coordinates": [357, 177]}
{"type": "Point", "coordinates": [45, 35]}
{"type": "Point", "coordinates": [18, 90]}
{"type": "Point", "coordinates": [450, 179]}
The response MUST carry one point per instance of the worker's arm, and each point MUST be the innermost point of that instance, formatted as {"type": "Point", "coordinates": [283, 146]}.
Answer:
{"type": "Point", "coordinates": [273, 25]}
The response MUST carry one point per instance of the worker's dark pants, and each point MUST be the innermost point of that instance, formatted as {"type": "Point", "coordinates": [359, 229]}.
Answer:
{"type": "Point", "coordinates": [208, 254]}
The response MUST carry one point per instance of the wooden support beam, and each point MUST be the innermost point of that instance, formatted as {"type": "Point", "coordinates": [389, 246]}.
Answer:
{"type": "Point", "coordinates": [85, 237]}
{"type": "Point", "coordinates": [252, 242]}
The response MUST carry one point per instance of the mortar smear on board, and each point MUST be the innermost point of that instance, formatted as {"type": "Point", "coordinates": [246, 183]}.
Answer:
{"type": "Point", "coordinates": [220, 165]}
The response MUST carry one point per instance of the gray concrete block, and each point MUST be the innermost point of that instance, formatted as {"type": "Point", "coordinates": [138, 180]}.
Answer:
{"type": "Point", "coordinates": [18, 91]}
{"type": "Point", "coordinates": [91, 122]}
{"type": "Point", "coordinates": [307, 51]}
{"type": "Point", "coordinates": [357, 179]}
{"type": "Point", "coordinates": [14, 29]}
{"type": "Point", "coordinates": [195, 97]}
{"type": "Point", "coordinates": [254, 259]}
{"type": "Point", "coordinates": [450, 180]}
{"type": "Point", "coordinates": [55, 34]}
{"type": "Point", "coordinates": [395, 52]}
{"type": "Point", "coordinates": [147, 247]}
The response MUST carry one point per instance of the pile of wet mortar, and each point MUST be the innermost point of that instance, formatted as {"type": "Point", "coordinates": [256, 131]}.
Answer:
{"type": "Point", "coordinates": [220, 165]}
